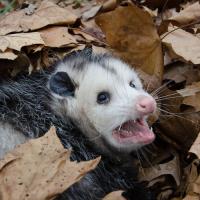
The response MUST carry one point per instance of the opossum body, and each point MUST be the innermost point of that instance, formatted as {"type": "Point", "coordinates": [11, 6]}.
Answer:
{"type": "Point", "coordinates": [98, 106]}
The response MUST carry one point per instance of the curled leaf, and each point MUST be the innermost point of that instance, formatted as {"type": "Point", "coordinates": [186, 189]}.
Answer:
{"type": "Point", "coordinates": [182, 44]}
{"type": "Point", "coordinates": [19, 40]}
{"type": "Point", "coordinates": [191, 95]}
{"type": "Point", "coordinates": [62, 39]}
{"type": "Point", "coordinates": [190, 14]}
{"type": "Point", "coordinates": [117, 195]}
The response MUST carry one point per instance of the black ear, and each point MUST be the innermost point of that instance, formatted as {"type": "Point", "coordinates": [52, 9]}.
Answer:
{"type": "Point", "coordinates": [61, 84]}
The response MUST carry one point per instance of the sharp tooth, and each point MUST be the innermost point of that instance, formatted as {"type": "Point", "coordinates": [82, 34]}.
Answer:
{"type": "Point", "coordinates": [120, 127]}
{"type": "Point", "coordinates": [151, 128]}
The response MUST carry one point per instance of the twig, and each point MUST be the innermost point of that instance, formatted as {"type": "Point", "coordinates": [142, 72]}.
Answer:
{"type": "Point", "coordinates": [181, 27]}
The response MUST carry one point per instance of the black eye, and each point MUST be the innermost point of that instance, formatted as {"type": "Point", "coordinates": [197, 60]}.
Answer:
{"type": "Point", "coordinates": [132, 84]}
{"type": "Point", "coordinates": [103, 98]}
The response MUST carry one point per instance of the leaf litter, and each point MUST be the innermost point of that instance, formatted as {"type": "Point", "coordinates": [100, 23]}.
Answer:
{"type": "Point", "coordinates": [158, 38]}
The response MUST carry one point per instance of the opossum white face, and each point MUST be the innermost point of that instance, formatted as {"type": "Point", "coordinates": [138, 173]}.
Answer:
{"type": "Point", "coordinates": [107, 100]}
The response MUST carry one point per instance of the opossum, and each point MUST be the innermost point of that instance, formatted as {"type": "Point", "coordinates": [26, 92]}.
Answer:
{"type": "Point", "coordinates": [98, 106]}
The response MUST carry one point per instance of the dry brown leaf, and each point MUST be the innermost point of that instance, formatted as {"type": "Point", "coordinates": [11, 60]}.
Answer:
{"type": "Point", "coordinates": [195, 148]}
{"type": "Point", "coordinates": [93, 29]}
{"type": "Point", "coordinates": [91, 12]}
{"type": "Point", "coordinates": [87, 37]}
{"type": "Point", "coordinates": [130, 31]}
{"type": "Point", "coordinates": [62, 39]}
{"type": "Point", "coordinates": [182, 44]}
{"type": "Point", "coordinates": [117, 195]}
{"type": "Point", "coordinates": [191, 197]}
{"type": "Point", "coordinates": [182, 72]}
{"type": "Point", "coordinates": [176, 198]}
{"type": "Point", "coordinates": [167, 14]}
{"type": "Point", "coordinates": [99, 50]}
{"type": "Point", "coordinates": [109, 5]}
{"type": "Point", "coordinates": [153, 13]}
{"type": "Point", "coordinates": [19, 40]}
{"type": "Point", "coordinates": [191, 95]}
{"type": "Point", "coordinates": [40, 169]}
{"type": "Point", "coordinates": [47, 14]}
{"type": "Point", "coordinates": [33, 2]}
{"type": "Point", "coordinates": [193, 181]}
{"type": "Point", "coordinates": [82, 36]}
{"type": "Point", "coordinates": [8, 54]}
{"type": "Point", "coordinates": [190, 14]}
{"type": "Point", "coordinates": [168, 168]}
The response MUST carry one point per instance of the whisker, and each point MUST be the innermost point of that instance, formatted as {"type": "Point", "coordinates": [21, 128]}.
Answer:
{"type": "Point", "coordinates": [159, 90]}
{"type": "Point", "coordinates": [166, 98]}
{"type": "Point", "coordinates": [169, 95]}
{"type": "Point", "coordinates": [178, 113]}
{"type": "Point", "coordinates": [148, 150]}
{"type": "Point", "coordinates": [170, 105]}
{"type": "Point", "coordinates": [95, 138]}
{"type": "Point", "coordinates": [174, 114]}
{"type": "Point", "coordinates": [147, 160]}
{"type": "Point", "coordinates": [139, 159]}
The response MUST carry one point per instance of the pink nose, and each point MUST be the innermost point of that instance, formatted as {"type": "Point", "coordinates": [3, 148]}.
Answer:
{"type": "Point", "coordinates": [146, 105]}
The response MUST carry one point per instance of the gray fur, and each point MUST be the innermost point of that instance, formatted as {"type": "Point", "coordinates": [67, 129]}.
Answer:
{"type": "Point", "coordinates": [7, 133]}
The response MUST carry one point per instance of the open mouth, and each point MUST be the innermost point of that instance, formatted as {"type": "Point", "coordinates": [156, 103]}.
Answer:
{"type": "Point", "coordinates": [134, 131]}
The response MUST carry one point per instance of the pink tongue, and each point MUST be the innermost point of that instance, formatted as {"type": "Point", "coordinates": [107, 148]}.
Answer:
{"type": "Point", "coordinates": [134, 132]}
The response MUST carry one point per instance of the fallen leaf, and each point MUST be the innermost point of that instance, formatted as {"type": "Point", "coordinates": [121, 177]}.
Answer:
{"type": "Point", "coordinates": [182, 72]}
{"type": "Point", "coordinates": [19, 40]}
{"type": "Point", "coordinates": [109, 5]}
{"type": "Point", "coordinates": [138, 45]}
{"type": "Point", "coordinates": [84, 35]}
{"type": "Point", "coordinates": [169, 13]}
{"type": "Point", "coordinates": [153, 13]}
{"type": "Point", "coordinates": [47, 14]}
{"type": "Point", "coordinates": [36, 3]}
{"type": "Point", "coordinates": [99, 50]}
{"type": "Point", "coordinates": [8, 55]}
{"type": "Point", "coordinates": [190, 14]}
{"type": "Point", "coordinates": [182, 44]}
{"type": "Point", "coordinates": [193, 181]}
{"type": "Point", "coordinates": [168, 168]}
{"type": "Point", "coordinates": [93, 29]}
{"type": "Point", "coordinates": [191, 95]}
{"type": "Point", "coordinates": [91, 12]}
{"type": "Point", "coordinates": [195, 148]}
{"type": "Point", "coordinates": [190, 90]}
{"type": "Point", "coordinates": [191, 197]}
{"type": "Point", "coordinates": [62, 39]}
{"type": "Point", "coordinates": [35, 48]}
{"type": "Point", "coordinates": [40, 169]}
{"type": "Point", "coordinates": [117, 195]}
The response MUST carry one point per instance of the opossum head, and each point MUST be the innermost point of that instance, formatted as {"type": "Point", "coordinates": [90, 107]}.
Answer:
{"type": "Point", "coordinates": [105, 98]}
